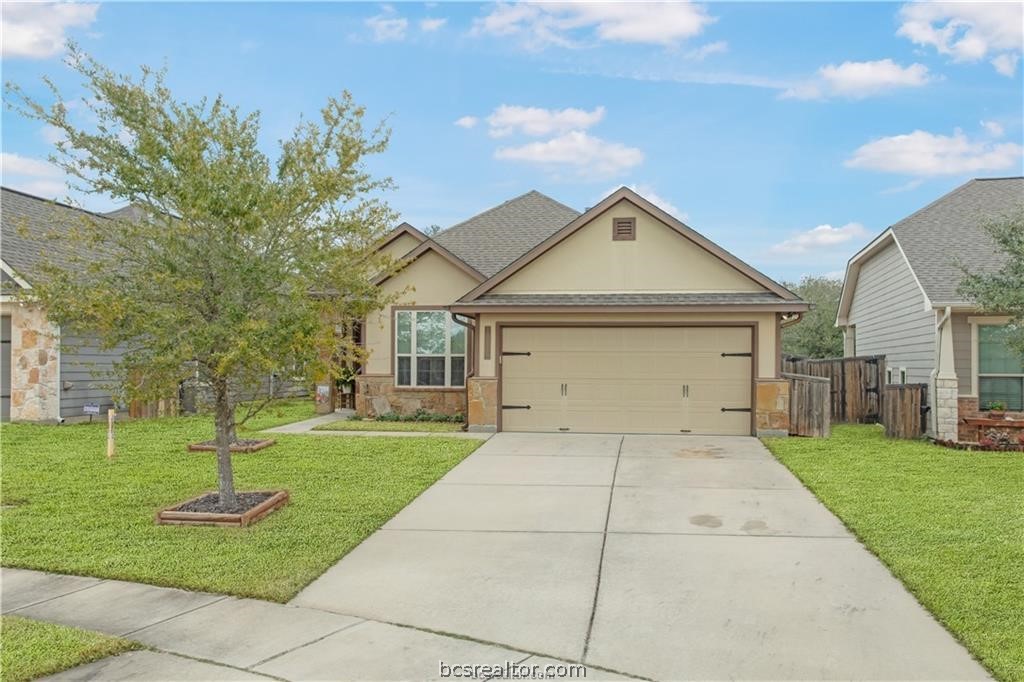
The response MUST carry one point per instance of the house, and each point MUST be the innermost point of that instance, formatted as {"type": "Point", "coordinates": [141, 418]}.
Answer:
{"type": "Point", "coordinates": [49, 374]}
{"type": "Point", "coordinates": [532, 316]}
{"type": "Point", "coordinates": [900, 299]}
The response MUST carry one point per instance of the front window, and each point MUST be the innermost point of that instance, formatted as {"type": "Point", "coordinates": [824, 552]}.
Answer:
{"type": "Point", "coordinates": [430, 349]}
{"type": "Point", "coordinates": [1000, 370]}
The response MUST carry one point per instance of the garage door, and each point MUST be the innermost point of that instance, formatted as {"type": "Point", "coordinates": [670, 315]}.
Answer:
{"type": "Point", "coordinates": [627, 379]}
{"type": "Point", "coordinates": [5, 367]}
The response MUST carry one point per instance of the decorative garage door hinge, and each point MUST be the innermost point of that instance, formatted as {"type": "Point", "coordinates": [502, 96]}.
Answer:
{"type": "Point", "coordinates": [515, 407]}
{"type": "Point", "coordinates": [735, 409]}
{"type": "Point", "coordinates": [737, 355]}
{"type": "Point", "coordinates": [513, 352]}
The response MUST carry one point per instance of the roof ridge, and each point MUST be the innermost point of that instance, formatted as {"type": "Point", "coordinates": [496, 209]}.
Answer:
{"type": "Point", "coordinates": [62, 204]}
{"type": "Point", "coordinates": [492, 209]}
{"type": "Point", "coordinates": [952, 192]}
{"type": "Point", "coordinates": [1003, 177]}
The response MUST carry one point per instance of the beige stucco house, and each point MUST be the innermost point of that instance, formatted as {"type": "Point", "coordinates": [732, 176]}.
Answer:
{"type": "Point", "coordinates": [900, 298]}
{"type": "Point", "coordinates": [534, 317]}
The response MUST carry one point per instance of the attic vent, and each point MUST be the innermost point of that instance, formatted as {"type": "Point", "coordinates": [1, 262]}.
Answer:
{"type": "Point", "coordinates": [623, 229]}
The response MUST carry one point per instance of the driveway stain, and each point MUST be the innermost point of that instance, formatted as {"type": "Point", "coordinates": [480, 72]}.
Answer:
{"type": "Point", "coordinates": [706, 520]}
{"type": "Point", "coordinates": [706, 452]}
{"type": "Point", "coordinates": [754, 525]}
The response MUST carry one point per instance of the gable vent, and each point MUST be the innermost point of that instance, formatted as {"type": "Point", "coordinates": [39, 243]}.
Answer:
{"type": "Point", "coordinates": [623, 229]}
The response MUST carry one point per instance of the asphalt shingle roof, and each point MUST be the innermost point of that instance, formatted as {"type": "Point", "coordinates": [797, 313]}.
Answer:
{"type": "Point", "coordinates": [948, 232]}
{"type": "Point", "coordinates": [491, 240]}
{"type": "Point", "coordinates": [757, 298]}
{"type": "Point", "coordinates": [27, 223]}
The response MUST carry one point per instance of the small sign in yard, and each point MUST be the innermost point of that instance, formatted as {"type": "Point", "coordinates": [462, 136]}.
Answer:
{"type": "Point", "coordinates": [91, 408]}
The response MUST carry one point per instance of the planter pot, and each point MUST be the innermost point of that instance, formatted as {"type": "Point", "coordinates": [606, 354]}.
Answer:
{"type": "Point", "coordinates": [997, 414]}
{"type": "Point", "coordinates": [241, 446]}
{"type": "Point", "coordinates": [174, 515]}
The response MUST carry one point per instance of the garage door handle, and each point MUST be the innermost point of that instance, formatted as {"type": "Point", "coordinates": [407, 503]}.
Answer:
{"type": "Point", "coordinates": [737, 355]}
{"type": "Point", "coordinates": [515, 407]}
{"type": "Point", "coordinates": [512, 352]}
{"type": "Point", "coordinates": [735, 409]}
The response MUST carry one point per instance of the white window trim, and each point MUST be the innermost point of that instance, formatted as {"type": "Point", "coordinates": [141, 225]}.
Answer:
{"type": "Point", "coordinates": [976, 321]}
{"type": "Point", "coordinates": [903, 375]}
{"type": "Point", "coordinates": [888, 375]}
{"type": "Point", "coordinates": [448, 355]}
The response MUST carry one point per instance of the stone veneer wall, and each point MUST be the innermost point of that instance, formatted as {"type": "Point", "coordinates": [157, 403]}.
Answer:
{"type": "Point", "coordinates": [772, 407]}
{"type": "Point", "coordinates": [947, 394]}
{"type": "Point", "coordinates": [483, 404]}
{"type": "Point", "coordinates": [377, 395]}
{"type": "Point", "coordinates": [35, 371]}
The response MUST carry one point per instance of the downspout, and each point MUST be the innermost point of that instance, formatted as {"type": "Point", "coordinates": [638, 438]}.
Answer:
{"type": "Point", "coordinates": [933, 414]}
{"type": "Point", "coordinates": [470, 324]}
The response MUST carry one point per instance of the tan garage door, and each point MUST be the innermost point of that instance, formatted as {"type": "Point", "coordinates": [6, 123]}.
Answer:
{"type": "Point", "coordinates": [627, 379]}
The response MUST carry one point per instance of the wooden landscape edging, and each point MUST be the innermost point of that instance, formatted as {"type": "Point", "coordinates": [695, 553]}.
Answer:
{"type": "Point", "coordinates": [170, 515]}
{"type": "Point", "coordinates": [248, 447]}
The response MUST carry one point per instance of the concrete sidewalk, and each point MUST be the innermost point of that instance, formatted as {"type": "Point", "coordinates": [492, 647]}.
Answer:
{"type": "Point", "coordinates": [198, 636]}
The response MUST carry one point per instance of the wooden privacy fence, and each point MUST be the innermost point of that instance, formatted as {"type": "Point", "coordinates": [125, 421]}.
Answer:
{"type": "Point", "coordinates": [856, 384]}
{"type": "Point", "coordinates": [905, 410]}
{"type": "Point", "coordinates": [809, 405]}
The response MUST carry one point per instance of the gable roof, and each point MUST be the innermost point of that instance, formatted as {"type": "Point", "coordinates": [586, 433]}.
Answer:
{"type": "Point", "coordinates": [491, 240]}
{"type": "Point", "coordinates": [431, 245]}
{"type": "Point", "coordinates": [624, 193]}
{"type": "Point", "coordinates": [936, 240]}
{"type": "Point", "coordinates": [401, 230]}
{"type": "Point", "coordinates": [949, 231]}
{"type": "Point", "coordinates": [26, 224]}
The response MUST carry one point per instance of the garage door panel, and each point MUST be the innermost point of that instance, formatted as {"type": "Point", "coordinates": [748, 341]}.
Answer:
{"type": "Point", "coordinates": [627, 379]}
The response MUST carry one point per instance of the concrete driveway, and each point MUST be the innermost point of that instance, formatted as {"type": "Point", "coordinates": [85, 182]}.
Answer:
{"type": "Point", "coordinates": [668, 557]}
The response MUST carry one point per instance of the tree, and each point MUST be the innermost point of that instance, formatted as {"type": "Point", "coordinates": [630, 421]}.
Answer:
{"type": "Point", "coordinates": [816, 336]}
{"type": "Point", "coordinates": [1002, 291]}
{"type": "Point", "coordinates": [240, 265]}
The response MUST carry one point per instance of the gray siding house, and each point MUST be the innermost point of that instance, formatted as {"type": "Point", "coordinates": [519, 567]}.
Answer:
{"type": "Point", "coordinates": [50, 374]}
{"type": "Point", "coordinates": [900, 299]}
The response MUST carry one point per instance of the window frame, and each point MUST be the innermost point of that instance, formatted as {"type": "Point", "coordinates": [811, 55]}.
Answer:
{"type": "Point", "coordinates": [413, 356]}
{"type": "Point", "coordinates": [977, 375]}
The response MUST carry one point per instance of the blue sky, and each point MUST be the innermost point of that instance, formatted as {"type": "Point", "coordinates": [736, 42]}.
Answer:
{"type": "Point", "coordinates": [788, 133]}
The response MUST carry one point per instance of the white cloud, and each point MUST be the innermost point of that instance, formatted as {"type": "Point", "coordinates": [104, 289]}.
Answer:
{"type": "Point", "coordinates": [34, 176]}
{"type": "Point", "coordinates": [37, 30]}
{"type": "Point", "coordinates": [535, 121]}
{"type": "Point", "coordinates": [905, 187]}
{"type": "Point", "coordinates": [857, 80]}
{"type": "Point", "coordinates": [52, 134]}
{"type": "Point", "coordinates": [1006, 63]}
{"type": "Point", "coordinates": [467, 122]}
{"type": "Point", "coordinates": [922, 153]}
{"type": "Point", "coordinates": [994, 129]}
{"type": "Point", "coordinates": [560, 23]}
{"type": "Point", "coordinates": [586, 154]}
{"type": "Point", "coordinates": [820, 238]}
{"type": "Point", "coordinates": [704, 51]}
{"type": "Point", "coordinates": [388, 26]}
{"type": "Point", "coordinates": [968, 31]}
{"type": "Point", "coordinates": [647, 192]}
{"type": "Point", "coordinates": [430, 24]}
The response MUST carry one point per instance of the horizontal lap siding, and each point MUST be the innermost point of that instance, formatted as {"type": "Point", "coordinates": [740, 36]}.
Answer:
{"type": "Point", "coordinates": [888, 311]}
{"type": "Point", "coordinates": [88, 369]}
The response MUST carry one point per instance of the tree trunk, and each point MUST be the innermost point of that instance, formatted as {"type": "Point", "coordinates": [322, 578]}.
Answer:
{"type": "Point", "coordinates": [224, 414]}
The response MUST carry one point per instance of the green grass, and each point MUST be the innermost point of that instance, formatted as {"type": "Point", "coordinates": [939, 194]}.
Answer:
{"type": "Point", "coordinates": [371, 425]}
{"type": "Point", "coordinates": [948, 523]}
{"type": "Point", "coordinates": [277, 414]}
{"type": "Point", "coordinates": [75, 512]}
{"type": "Point", "coordinates": [32, 649]}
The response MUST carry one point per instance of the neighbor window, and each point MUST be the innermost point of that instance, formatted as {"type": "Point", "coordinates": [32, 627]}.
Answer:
{"type": "Point", "coordinates": [903, 375]}
{"type": "Point", "coordinates": [1000, 370]}
{"type": "Point", "coordinates": [430, 349]}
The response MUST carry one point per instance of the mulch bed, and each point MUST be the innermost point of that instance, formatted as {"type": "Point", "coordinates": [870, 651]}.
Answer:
{"type": "Point", "coordinates": [240, 445]}
{"type": "Point", "coordinates": [206, 510]}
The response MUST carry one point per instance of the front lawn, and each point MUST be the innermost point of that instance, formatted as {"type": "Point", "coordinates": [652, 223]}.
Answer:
{"type": "Point", "coordinates": [72, 511]}
{"type": "Point", "coordinates": [32, 649]}
{"type": "Point", "coordinates": [948, 523]}
{"type": "Point", "coordinates": [373, 425]}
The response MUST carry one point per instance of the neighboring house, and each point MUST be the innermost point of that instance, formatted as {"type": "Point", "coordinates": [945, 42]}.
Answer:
{"type": "Point", "coordinates": [533, 317]}
{"type": "Point", "coordinates": [50, 374]}
{"type": "Point", "coordinates": [900, 299]}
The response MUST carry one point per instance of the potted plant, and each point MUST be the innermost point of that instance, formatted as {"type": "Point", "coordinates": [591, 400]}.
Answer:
{"type": "Point", "coordinates": [996, 409]}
